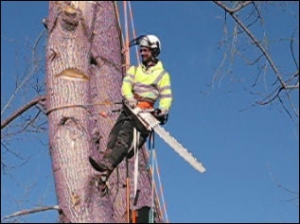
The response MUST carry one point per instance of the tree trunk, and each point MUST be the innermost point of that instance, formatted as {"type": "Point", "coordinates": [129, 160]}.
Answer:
{"type": "Point", "coordinates": [84, 68]}
{"type": "Point", "coordinates": [106, 81]}
{"type": "Point", "coordinates": [68, 63]}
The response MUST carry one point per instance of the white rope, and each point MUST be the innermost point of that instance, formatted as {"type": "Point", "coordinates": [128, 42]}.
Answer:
{"type": "Point", "coordinates": [136, 137]}
{"type": "Point", "coordinates": [151, 216]}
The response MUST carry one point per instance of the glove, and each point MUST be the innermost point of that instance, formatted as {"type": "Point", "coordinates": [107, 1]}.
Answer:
{"type": "Point", "coordinates": [131, 102]}
{"type": "Point", "coordinates": [161, 115]}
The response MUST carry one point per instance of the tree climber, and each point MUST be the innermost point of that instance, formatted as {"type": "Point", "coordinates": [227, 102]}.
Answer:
{"type": "Point", "coordinates": [142, 86]}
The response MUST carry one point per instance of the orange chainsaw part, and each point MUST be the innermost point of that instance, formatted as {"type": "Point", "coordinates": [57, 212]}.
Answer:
{"type": "Point", "coordinates": [145, 105]}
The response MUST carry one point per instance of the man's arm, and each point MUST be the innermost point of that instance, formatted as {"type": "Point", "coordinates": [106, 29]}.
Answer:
{"type": "Point", "coordinates": [166, 97]}
{"type": "Point", "coordinates": [127, 86]}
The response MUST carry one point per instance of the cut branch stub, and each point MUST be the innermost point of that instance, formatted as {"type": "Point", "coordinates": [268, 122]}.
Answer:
{"type": "Point", "coordinates": [73, 74]}
{"type": "Point", "coordinates": [70, 18]}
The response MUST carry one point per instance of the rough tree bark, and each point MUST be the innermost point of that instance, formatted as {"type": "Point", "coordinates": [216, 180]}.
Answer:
{"type": "Point", "coordinates": [68, 61]}
{"type": "Point", "coordinates": [84, 68]}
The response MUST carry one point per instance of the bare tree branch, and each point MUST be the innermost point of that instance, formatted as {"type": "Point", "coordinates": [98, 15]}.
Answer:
{"type": "Point", "coordinates": [21, 110]}
{"type": "Point", "coordinates": [285, 86]}
{"type": "Point", "coordinates": [30, 211]}
{"type": "Point", "coordinates": [292, 49]}
{"type": "Point", "coordinates": [27, 77]}
{"type": "Point", "coordinates": [238, 8]}
{"type": "Point", "coordinates": [255, 41]}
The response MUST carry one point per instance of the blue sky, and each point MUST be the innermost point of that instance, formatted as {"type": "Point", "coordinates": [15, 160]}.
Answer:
{"type": "Point", "coordinates": [246, 150]}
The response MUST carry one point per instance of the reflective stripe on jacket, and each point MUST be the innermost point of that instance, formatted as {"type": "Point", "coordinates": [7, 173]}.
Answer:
{"type": "Point", "coordinates": [148, 85]}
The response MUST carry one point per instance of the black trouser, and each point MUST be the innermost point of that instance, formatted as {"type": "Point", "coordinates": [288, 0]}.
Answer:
{"type": "Point", "coordinates": [121, 136]}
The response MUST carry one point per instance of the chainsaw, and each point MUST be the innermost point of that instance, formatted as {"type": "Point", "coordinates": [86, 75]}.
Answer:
{"type": "Point", "coordinates": [151, 123]}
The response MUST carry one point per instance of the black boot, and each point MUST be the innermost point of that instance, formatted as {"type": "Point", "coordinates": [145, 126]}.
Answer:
{"type": "Point", "coordinates": [101, 166]}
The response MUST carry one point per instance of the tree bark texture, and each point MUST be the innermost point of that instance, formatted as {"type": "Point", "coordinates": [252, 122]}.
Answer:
{"type": "Point", "coordinates": [68, 61]}
{"type": "Point", "coordinates": [84, 68]}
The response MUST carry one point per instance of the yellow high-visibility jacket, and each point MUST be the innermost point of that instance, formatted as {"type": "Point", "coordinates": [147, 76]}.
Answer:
{"type": "Point", "coordinates": [148, 85]}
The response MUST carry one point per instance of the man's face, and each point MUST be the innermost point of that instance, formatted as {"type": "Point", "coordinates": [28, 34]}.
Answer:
{"type": "Point", "coordinates": [146, 54]}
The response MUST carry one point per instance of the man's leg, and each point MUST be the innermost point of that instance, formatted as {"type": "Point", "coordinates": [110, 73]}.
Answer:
{"type": "Point", "coordinates": [101, 165]}
{"type": "Point", "coordinates": [122, 144]}
{"type": "Point", "coordinates": [119, 141]}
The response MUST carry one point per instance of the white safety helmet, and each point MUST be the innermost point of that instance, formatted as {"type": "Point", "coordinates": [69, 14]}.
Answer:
{"type": "Point", "coordinates": [150, 41]}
